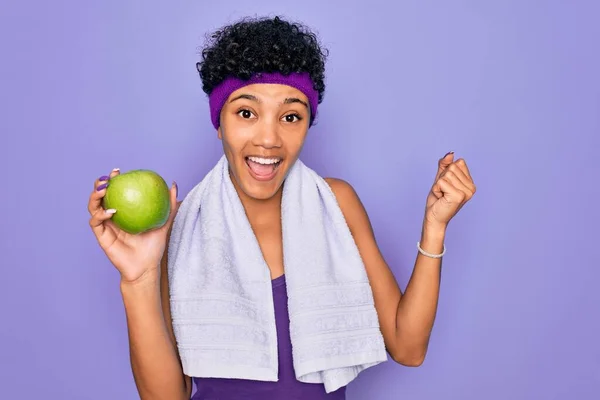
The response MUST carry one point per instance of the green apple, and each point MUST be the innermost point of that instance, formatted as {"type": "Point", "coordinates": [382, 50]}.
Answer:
{"type": "Point", "coordinates": [141, 198]}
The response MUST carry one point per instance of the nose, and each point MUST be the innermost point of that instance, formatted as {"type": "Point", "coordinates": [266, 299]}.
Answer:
{"type": "Point", "coordinates": [267, 135]}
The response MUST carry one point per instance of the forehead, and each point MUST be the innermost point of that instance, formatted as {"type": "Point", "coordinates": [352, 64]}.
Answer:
{"type": "Point", "coordinates": [270, 92]}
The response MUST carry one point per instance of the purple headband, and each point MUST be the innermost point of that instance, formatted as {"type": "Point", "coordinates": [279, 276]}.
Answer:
{"type": "Point", "coordinates": [300, 81]}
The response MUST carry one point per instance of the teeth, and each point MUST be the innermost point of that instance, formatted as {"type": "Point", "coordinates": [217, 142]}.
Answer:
{"type": "Point", "coordinates": [265, 161]}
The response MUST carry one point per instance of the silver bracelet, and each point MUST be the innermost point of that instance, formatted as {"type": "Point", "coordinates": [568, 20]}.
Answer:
{"type": "Point", "coordinates": [429, 254]}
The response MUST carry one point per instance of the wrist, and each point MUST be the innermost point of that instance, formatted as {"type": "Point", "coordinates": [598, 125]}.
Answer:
{"type": "Point", "coordinates": [142, 296]}
{"type": "Point", "coordinates": [432, 238]}
{"type": "Point", "coordinates": [433, 230]}
{"type": "Point", "coordinates": [149, 279]}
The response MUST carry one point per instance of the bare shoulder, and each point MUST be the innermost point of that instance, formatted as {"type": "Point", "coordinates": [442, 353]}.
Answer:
{"type": "Point", "coordinates": [350, 204]}
{"type": "Point", "coordinates": [340, 188]}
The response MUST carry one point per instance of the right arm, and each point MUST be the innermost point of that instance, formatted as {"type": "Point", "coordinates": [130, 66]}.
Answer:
{"type": "Point", "coordinates": [142, 262]}
{"type": "Point", "coordinates": [154, 357]}
{"type": "Point", "coordinates": [153, 352]}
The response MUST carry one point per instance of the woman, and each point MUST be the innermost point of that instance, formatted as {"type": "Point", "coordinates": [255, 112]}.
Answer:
{"type": "Point", "coordinates": [265, 79]}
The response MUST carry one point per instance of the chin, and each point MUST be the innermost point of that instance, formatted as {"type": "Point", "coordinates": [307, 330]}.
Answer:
{"type": "Point", "coordinates": [260, 191]}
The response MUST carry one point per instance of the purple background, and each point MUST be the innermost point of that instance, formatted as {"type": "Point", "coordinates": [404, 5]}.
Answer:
{"type": "Point", "coordinates": [512, 86]}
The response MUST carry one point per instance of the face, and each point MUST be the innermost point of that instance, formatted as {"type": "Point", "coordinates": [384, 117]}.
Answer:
{"type": "Point", "coordinates": [263, 128]}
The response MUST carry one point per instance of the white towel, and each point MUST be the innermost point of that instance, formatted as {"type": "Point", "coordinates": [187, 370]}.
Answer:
{"type": "Point", "coordinates": [221, 294]}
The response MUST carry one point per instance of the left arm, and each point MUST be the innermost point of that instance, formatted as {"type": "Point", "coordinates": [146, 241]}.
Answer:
{"type": "Point", "coordinates": [406, 319]}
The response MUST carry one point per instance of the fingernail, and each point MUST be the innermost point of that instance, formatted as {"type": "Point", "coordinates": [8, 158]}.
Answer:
{"type": "Point", "coordinates": [450, 152]}
{"type": "Point", "coordinates": [110, 211]}
{"type": "Point", "coordinates": [116, 169]}
{"type": "Point", "coordinates": [102, 187]}
{"type": "Point", "coordinates": [103, 178]}
{"type": "Point", "coordinates": [176, 188]}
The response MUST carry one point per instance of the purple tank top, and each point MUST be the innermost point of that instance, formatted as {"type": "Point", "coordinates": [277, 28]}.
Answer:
{"type": "Point", "coordinates": [287, 387]}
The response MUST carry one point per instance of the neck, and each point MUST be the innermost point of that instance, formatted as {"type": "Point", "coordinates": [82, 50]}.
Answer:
{"type": "Point", "coordinates": [259, 211]}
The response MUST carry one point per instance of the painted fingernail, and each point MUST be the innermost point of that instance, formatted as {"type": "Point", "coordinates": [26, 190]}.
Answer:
{"type": "Point", "coordinates": [116, 169]}
{"type": "Point", "coordinates": [103, 178]}
{"type": "Point", "coordinates": [176, 187]}
{"type": "Point", "coordinates": [450, 152]}
{"type": "Point", "coordinates": [102, 187]}
{"type": "Point", "coordinates": [110, 211]}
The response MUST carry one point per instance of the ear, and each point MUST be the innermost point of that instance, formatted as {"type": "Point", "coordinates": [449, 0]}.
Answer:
{"type": "Point", "coordinates": [219, 133]}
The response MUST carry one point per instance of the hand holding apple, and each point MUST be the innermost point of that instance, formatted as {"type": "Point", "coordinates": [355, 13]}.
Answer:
{"type": "Point", "coordinates": [131, 214]}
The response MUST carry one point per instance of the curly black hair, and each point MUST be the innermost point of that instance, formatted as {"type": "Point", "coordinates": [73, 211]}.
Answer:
{"type": "Point", "coordinates": [262, 45]}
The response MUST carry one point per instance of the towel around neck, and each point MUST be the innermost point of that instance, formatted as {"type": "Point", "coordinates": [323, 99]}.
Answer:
{"type": "Point", "coordinates": [220, 286]}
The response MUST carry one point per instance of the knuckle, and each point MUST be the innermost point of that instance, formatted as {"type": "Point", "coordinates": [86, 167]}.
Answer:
{"type": "Point", "coordinates": [95, 215]}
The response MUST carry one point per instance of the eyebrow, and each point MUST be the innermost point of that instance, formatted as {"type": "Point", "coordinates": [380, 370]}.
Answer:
{"type": "Point", "coordinates": [289, 100]}
{"type": "Point", "coordinates": [245, 96]}
{"type": "Point", "coordinates": [295, 100]}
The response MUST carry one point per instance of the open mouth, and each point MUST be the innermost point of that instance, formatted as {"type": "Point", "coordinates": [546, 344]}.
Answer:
{"type": "Point", "coordinates": [263, 168]}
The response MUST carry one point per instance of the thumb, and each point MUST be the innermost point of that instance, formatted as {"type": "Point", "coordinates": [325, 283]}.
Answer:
{"type": "Point", "coordinates": [443, 163]}
{"type": "Point", "coordinates": [174, 206]}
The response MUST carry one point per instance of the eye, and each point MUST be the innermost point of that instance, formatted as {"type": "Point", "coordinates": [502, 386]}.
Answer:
{"type": "Point", "coordinates": [245, 113]}
{"type": "Point", "coordinates": [291, 118]}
